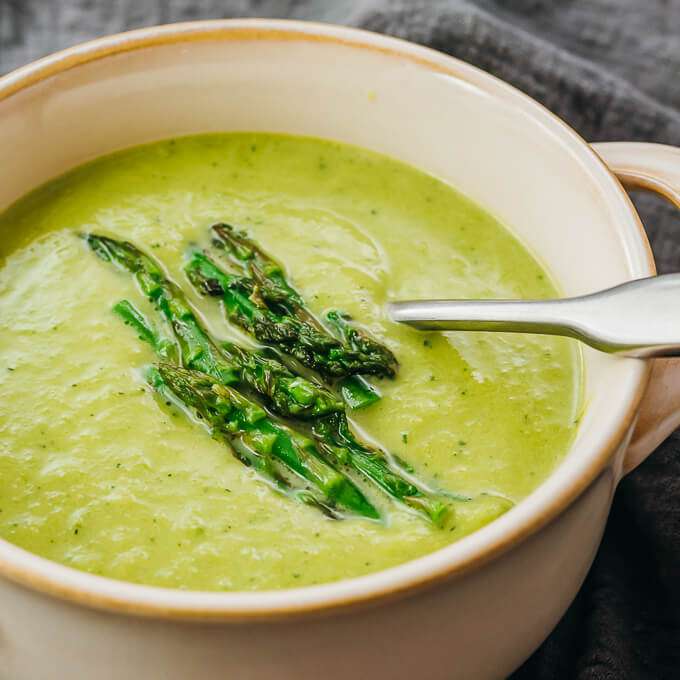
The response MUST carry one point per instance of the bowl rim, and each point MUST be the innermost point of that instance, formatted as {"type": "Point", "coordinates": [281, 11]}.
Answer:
{"type": "Point", "coordinates": [488, 543]}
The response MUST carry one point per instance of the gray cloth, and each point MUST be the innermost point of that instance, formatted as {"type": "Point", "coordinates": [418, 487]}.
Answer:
{"type": "Point", "coordinates": [609, 68]}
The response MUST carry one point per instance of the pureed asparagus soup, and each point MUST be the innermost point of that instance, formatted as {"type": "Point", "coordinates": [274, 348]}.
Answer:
{"type": "Point", "coordinates": [107, 464]}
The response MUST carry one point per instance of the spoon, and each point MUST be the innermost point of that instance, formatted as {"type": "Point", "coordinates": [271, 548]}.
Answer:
{"type": "Point", "coordinates": [639, 318]}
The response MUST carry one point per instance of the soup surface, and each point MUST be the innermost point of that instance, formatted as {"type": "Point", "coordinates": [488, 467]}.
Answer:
{"type": "Point", "coordinates": [98, 473]}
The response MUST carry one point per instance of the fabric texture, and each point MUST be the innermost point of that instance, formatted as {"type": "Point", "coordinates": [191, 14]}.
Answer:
{"type": "Point", "coordinates": [609, 68]}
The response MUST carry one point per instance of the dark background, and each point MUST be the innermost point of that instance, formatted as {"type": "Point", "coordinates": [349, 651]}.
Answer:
{"type": "Point", "coordinates": [610, 68]}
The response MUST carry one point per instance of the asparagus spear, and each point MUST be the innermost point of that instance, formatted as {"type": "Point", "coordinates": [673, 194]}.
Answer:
{"type": "Point", "coordinates": [259, 461]}
{"type": "Point", "coordinates": [314, 349]}
{"type": "Point", "coordinates": [288, 394]}
{"type": "Point", "coordinates": [256, 438]}
{"type": "Point", "coordinates": [279, 294]}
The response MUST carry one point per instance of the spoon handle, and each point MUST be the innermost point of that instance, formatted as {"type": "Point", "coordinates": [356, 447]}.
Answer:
{"type": "Point", "coordinates": [638, 318]}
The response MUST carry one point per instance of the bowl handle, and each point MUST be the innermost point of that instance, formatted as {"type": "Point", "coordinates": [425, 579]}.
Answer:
{"type": "Point", "coordinates": [654, 168]}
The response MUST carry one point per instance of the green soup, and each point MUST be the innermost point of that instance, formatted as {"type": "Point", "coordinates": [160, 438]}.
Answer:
{"type": "Point", "coordinates": [98, 473]}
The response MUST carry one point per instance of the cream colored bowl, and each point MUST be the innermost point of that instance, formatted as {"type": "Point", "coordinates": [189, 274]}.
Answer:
{"type": "Point", "coordinates": [475, 609]}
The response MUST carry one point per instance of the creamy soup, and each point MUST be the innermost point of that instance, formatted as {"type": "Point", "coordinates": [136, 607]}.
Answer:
{"type": "Point", "coordinates": [99, 473]}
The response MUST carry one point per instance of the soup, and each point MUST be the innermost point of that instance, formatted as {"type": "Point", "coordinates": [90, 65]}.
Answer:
{"type": "Point", "coordinates": [100, 473]}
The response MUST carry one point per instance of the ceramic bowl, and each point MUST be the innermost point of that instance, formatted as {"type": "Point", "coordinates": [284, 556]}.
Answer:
{"type": "Point", "coordinates": [477, 608]}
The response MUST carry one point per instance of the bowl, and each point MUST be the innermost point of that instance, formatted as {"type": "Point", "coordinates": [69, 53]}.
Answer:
{"type": "Point", "coordinates": [479, 607]}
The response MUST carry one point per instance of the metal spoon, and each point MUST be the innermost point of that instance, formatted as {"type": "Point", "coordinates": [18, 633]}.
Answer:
{"type": "Point", "coordinates": [639, 318]}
